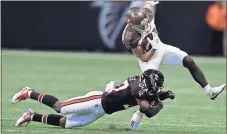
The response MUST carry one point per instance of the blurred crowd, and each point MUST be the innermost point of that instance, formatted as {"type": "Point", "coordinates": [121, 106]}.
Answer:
{"type": "Point", "coordinates": [216, 18]}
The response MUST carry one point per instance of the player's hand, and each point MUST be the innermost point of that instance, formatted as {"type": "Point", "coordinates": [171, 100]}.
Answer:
{"type": "Point", "coordinates": [152, 2]}
{"type": "Point", "coordinates": [170, 95]}
{"type": "Point", "coordinates": [109, 86]}
{"type": "Point", "coordinates": [155, 42]}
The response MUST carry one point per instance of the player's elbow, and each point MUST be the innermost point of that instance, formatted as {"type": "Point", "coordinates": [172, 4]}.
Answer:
{"type": "Point", "coordinates": [142, 57]}
{"type": "Point", "coordinates": [147, 56]}
{"type": "Point", "coordinates": [152, 111]}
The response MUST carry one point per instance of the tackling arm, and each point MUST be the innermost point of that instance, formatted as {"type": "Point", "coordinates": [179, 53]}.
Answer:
{"type": "Point", "coordinates": [147, 109]}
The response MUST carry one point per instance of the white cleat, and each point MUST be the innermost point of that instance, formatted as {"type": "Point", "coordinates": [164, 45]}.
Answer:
{"type": "Point", "coordinates": [22, 95]}
{"type": "Point", "coordinates": [215, 91]}
{"type": "Point", "coordinates": [25, 118]}
{"type": "Point", "coordinates": [135, 121]}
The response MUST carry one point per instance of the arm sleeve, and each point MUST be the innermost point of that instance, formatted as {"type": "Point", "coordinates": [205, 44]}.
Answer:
{"type": "Point", "coordinates": [152, 111]}
{"type": "Point", "coordinates": [163, 95]}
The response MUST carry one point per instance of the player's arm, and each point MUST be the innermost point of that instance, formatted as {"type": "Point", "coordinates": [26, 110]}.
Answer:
{"type": "Point", "coordinates": [141, 54]}
{"type": "Point", "coordinates": [149, 4]}
{"type": "Point", "coordinates": [131, 40]}
{"type": "Point", "coordinates": [147, 109]}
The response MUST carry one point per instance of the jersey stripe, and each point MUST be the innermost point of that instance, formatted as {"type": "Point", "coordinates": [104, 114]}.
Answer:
{"type": "Point", "coordinates": [81, 100]}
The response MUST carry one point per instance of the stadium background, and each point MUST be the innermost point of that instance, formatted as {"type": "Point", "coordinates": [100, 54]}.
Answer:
{"type": "Point", "coordinates": [76, 26]}
{"type": "Point", "coordinates": [87, 27]}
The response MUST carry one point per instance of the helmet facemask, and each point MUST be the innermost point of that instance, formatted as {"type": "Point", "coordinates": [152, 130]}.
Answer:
{"type": "Point", "coordinates": [143, 27]}
{"type": "Point", "coordinates": [153, 82]}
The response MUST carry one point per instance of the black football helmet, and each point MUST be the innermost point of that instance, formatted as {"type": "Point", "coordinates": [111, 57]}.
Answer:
{"type": "Point", "coordinates": [154, 80]}
{"type": "Point", "coordinates": [138, 19]}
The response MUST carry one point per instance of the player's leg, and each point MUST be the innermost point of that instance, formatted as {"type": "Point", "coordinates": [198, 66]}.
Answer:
{"type": "Point", "coordinates": [175, 56]}
{"type": "Point", "coordinates": [86, 108]}
{"type": "Point", "coordinates": [81, 120]}
{"type": "Point", "coordinates": [50, 119]}
{"type": "Point", "coordinates": [83, 104]}
{"type": "Point", "coordinates": [45, 99]}
{"type": "Point", "coordinates": [58, 120]}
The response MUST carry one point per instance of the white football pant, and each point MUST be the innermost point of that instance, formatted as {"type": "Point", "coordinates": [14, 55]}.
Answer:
{"type": "Point", "coordinates": [83, 110]}
{"type": "Point", "coordinates": [166, 54]}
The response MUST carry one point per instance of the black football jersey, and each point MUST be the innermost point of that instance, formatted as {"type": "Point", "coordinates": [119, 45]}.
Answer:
{"type": "Point", "coordinates": [124, 95]}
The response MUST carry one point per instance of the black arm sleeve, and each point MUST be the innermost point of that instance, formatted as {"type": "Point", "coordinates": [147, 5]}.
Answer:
{"type": "Point", "coordinates": [163, 95]}
{"type": "Point", "coordinates": [152, 111]}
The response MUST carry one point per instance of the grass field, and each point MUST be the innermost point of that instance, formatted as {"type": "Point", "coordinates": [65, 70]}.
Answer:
{"type": "Point", "coordinates": [67, 75]}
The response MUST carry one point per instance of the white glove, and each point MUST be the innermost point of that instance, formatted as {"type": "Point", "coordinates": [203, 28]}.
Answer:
{"type": "Point", "coordinates": [109, 86]}
{"type": "Point", "coordinates": [135, 121]}
{"type": "Point", "coordinates": [155, 43]}
{"type": "Point", "coordinates": [152, 2]}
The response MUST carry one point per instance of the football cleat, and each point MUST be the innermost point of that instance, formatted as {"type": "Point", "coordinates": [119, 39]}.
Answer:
{"type": "Point", "coordinates": [24, 119]}
{"type": "Point", "coordinates": [22, 95]}
{"type": "Point", "coordinates": [215, 91]}
{"type": "Point", "coordinates": [135, 121]}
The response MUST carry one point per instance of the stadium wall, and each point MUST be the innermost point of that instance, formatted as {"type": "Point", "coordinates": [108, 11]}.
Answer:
{"type": "Point", "coordinates": [97, 26]}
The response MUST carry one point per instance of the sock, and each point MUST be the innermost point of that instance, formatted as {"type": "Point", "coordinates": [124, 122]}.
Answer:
{"type": "Point", "coordinates": [207, 88]}
{"type": "Point", "coordinates": [51, 119]}
{"type": "Point", "coordinates": [195, 71]}
{"type": "Point", "coordinates": [45, 99]}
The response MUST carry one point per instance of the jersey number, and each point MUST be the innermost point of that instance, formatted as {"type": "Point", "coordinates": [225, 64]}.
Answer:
{"type": "Point", "coordinates": [123, 86]}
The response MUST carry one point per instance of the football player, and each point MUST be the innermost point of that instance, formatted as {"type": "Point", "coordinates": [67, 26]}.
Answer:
{"type": "Point", "coordinates": [145, 91]}
{"type": "Point", "coordinates": [141, 37]}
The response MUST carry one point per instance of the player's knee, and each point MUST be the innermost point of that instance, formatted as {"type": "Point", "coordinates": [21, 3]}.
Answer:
{"type": "Point", "coordinates": [62, 122]}
{"type": "Point", "coordinates": [68, 124]}
{"type": "Point", "coordinates": [57, 107]}
{"type": "Point", "coordinates": [188, 62]}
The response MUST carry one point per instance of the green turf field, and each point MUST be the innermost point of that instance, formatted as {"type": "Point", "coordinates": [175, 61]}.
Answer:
{"type": "Point", "coordinates": [67, 75]}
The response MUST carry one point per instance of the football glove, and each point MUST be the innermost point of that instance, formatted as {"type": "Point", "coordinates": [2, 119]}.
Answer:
{"type": "Point", "coordinates": [152, 2]}
{"type": "Point", "coordinates": [170, 95]}
{"type": "Point", "coordinates": [135, 120]}
{"type": "Point", "coordinates": [155, 42]}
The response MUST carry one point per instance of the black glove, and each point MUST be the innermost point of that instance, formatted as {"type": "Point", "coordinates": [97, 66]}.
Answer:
{"type": "Point", "coordinates": [166, 95]}
{"type": "Point", "coordinates": [170, 94]}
